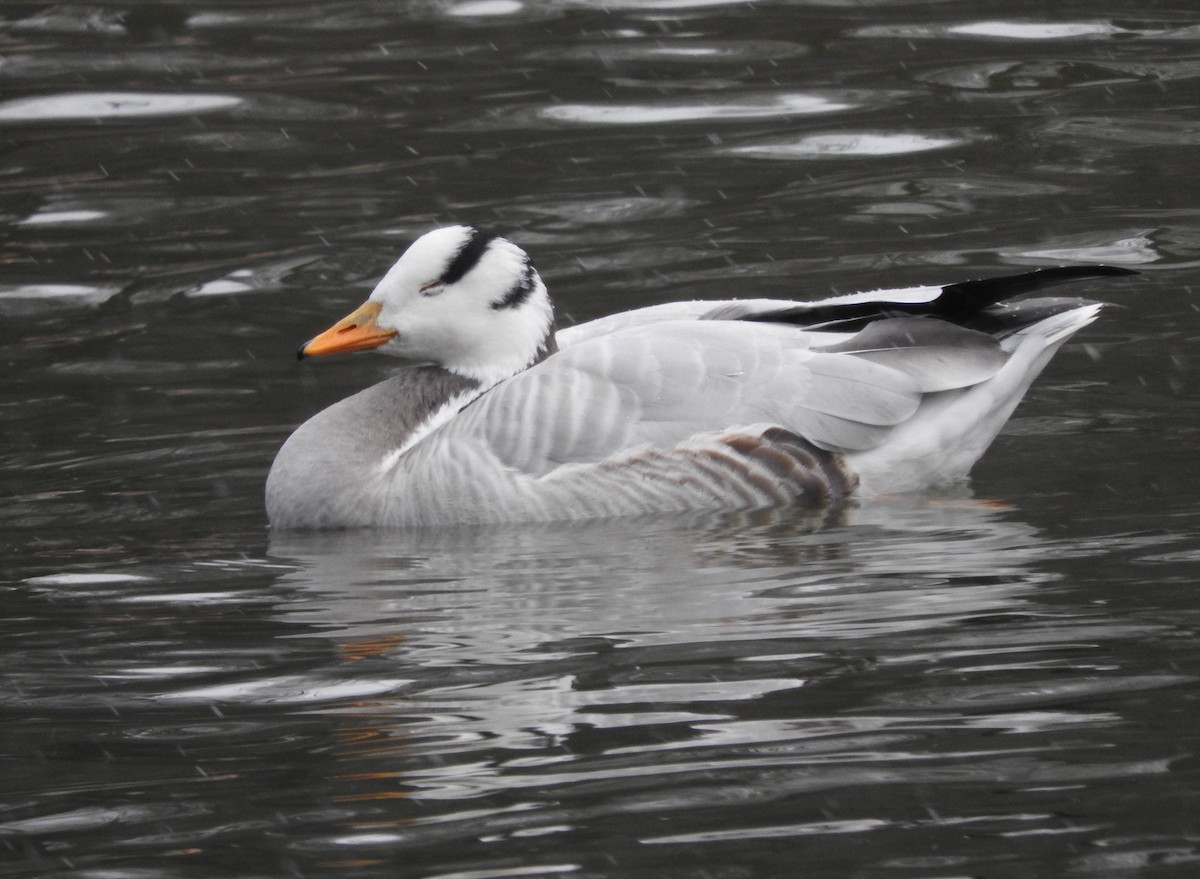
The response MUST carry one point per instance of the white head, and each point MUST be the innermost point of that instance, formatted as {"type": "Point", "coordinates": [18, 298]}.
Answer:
{"type": "Point", "coordinates": [465, 300]}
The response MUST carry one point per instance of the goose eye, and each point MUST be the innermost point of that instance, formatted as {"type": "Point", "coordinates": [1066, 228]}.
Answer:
{"type": "Point", "coordinates": [433, 288]}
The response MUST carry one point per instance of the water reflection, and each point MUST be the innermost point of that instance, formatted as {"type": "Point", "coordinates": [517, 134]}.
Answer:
{"type": "Point", "coordinates": [554, 631]}
{"type": "Point", "coordinates": [98, 106]}
{"type": "Point", "coordinates": [631, 572]}
{"type": "Point", "coordinates": [1114, 248]}
{"type": "Point", "coordinates": [28, 299]}
{"type": "Point", "coordinates": [852, 144]}
{"type": "Point", "coordinates": [637, 46]}
{"type": "Point", "coordinates": [999, 29]}
{"type": "Point", "coordinates": [564, 675]}
{"type": "Point", "coordinates": [700, 110]}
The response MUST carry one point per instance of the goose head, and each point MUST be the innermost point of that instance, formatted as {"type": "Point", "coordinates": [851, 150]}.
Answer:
{"type": "Point", "coordinates": [459, 298]}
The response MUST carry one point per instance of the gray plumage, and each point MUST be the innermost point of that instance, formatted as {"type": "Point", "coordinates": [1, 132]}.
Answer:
{"type": "Point", "coordinates": [674, 408]}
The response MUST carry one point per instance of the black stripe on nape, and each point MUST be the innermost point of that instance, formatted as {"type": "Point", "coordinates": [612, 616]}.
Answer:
{"type": "Point", "coordinates": [520, 290]}
{"type": "Point", "coordinates": [468, 256]}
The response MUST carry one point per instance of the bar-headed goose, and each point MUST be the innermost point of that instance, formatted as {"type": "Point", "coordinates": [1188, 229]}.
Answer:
{"type": "Point", "coordinates": [678, 407]}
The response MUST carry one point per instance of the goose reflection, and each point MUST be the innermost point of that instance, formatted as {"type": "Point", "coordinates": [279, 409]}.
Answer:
{"type": "Point", "coordinates": [514, 594]}
{"type": "Point", "coordinates": [568, 673]}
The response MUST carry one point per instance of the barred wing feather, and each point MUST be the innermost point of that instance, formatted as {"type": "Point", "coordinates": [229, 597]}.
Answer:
{"type": "Point", "coordinates": [660, 386]}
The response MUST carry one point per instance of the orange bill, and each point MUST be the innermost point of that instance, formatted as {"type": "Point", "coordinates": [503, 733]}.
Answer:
{"type": "Point", "coordinates": [357, 331]}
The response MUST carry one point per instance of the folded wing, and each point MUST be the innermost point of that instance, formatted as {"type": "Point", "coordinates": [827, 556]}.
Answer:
{"type": "Point", "coordinates": [662, 385]}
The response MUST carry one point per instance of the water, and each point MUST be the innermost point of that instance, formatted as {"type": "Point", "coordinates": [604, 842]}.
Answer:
{"type": "Point", "coordinates": [996, 681]}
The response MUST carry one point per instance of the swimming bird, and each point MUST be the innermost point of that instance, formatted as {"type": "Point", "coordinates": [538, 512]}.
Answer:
{"type": "Point", "coordinates": [685, 406]}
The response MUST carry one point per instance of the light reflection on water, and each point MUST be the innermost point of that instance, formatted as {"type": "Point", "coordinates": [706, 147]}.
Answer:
{"type": "Point", "coordinates": [920, 687]}
{"type": "Point", "coordinates": [479, 688]}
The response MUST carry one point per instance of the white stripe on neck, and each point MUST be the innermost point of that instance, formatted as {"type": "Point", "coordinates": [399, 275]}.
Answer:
{"type": "Point", "coordinates": [436, 419]}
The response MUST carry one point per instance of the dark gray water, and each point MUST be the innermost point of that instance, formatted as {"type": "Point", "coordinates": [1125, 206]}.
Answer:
{"type": "Point", "coordinates": [995, 682]}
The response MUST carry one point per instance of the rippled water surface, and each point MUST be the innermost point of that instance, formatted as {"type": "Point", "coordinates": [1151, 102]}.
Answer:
{"type": "Point", "coordinates": [999, 681]}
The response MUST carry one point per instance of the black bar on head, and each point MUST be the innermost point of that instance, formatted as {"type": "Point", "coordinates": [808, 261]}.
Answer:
{"type": "Point", "coordinates": [468, 256]}
{"type": "Point", "coordinates": [520, 290]}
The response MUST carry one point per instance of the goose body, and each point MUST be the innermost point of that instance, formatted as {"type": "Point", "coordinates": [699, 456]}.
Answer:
{"type": "Point", "coordinates": [678, 407]}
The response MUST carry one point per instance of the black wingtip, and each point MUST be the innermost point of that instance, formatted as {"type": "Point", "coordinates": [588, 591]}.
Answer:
{"type": "Point", "coordinates": [966, 297]}
{"type": "Point", "coordinates": [1070, 273]}
{"type": "Point", "coordinates": [955, 302]}
{"type": "Point", "coordinates": [1118, 270]}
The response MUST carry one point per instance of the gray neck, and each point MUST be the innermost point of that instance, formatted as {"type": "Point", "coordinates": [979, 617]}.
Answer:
{"type": "Point", "coordinates": [329, 470]}
{"type": "Point", "coordinates": [394, 408]}
{"type": "Point", "coordinates": [549, 346]}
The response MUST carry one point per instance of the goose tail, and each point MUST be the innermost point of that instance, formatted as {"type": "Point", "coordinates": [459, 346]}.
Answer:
{"type": "Point", "coordinates": [952, 429]}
